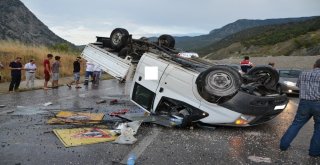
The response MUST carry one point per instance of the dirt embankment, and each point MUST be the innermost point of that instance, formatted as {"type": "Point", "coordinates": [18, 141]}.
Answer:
{"type": "Point", "coordinates": [301, 62]}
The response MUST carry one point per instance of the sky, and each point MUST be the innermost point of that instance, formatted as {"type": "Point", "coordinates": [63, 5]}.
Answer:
{"type": "Point", "coordinates": [80, 21]}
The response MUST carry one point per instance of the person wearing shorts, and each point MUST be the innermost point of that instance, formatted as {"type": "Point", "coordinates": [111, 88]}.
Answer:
{"type": "Point", "coordinates": [55, 71]}
{"type": "Point", "coordinates": [76, 73]}
{"type": "Point", "coordinates": [47, 70]}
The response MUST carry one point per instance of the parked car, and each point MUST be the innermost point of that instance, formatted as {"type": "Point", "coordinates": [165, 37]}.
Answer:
{"type": "Point", "coordinates": [287, 80]}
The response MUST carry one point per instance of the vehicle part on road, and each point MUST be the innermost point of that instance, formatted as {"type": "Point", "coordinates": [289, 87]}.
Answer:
{"type": "Point", "coordinates": [119, 38]}
{"type": "Point", "coordinates": [2, 106]}
{"type": "Point", "coordinates": [127, 132]}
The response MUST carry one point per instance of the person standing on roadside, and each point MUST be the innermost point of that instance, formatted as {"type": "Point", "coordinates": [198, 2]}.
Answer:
{"type": "Point", "coordinates": [30, 72]}
{"type": "Point", "coordinates": [309, 106]}
{"type": "Point", "coordinates": [89, 72]}
{"type": "Point", "coordinates": [76, 73]}
{"type": "Point", "coordinates": [55, 71]}
{"type": "Point", "coordinates": [96, 74]}
{"type": "Point", "coordinates": [1, 67]}
{"type": "Point", "coordinates": [47, 70]}
{"type": "Point", "coordinates": [245, 64]}
{"type": "Point", "coordinates": [271, 64]}
{"type": "Point", "coordinates": [15, 67]}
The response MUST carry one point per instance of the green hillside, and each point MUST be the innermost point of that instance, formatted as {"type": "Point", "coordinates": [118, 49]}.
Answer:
{"type": "Point", "coordinates": [256, 40]}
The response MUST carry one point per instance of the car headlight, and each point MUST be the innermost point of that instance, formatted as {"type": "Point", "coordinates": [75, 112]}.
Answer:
{"type": "Point", "coordinates": [244, 119]}
{"type": "Point", "coordinates": [289, 83]}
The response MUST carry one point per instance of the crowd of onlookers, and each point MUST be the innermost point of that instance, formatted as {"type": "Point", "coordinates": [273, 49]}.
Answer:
{"type": "Point", "coordinates": [50, 72]}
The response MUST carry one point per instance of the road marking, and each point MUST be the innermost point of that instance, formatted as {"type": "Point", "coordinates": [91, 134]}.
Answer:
{"type": "Point", "coordinates": [145, 142]}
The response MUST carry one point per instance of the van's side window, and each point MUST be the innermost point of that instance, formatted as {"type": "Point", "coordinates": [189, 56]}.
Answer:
{"type": "Point", "coordinates": [143, 96]}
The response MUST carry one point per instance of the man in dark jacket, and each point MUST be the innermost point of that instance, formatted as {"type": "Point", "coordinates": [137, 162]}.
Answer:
{"type": "Point", "coordinates": [15, 67]}
{"type": "Point", "coordinates": [76, 73]}
{"type": "Point", "coordinates": [309, 106]}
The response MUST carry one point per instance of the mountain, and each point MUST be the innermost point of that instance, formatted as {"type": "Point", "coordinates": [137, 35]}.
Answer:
{"type": "Point", "coordinates": [293, 38]}
{"type": "Point", "coordinates": [194, 43]}
{"type": "Point", "coordinates": [17, 22]}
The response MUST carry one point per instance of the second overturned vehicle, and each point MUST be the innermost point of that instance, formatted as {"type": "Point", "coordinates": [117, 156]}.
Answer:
{"type": "Point", "coordinates": [188, 89]}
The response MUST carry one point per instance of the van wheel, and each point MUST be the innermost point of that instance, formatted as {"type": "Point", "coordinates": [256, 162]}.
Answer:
{"type": "Point", "coordinates": [218, 81]}
{"type": "Point", "coordinates": [166, 40]}
{"type": "Point", "coordinates": [119, 38]}
{"type": "Point", "coordinates": [265, 75]}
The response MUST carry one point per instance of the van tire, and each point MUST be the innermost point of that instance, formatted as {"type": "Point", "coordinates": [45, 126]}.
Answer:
{"type": "Point", "coordinates": [272, 76]}
{"type": "Point", "coordinates": [218, 81]}
{"type": "Point", "coordinates": [166, 40]}
{"type": "Point", "coordinates": [119, 38]}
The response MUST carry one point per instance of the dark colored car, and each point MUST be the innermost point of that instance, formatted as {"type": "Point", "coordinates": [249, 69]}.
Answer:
{"type": "Point", "coordinates": [288, 79]}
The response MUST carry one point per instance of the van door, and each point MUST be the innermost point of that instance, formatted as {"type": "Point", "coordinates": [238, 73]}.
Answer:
{"type": "Point", "coordinates": [143, 92]}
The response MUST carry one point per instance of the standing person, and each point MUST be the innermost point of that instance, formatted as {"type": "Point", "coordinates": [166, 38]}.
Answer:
{"type": "Point", "coordinates": [30, 72]}
{"type": "Point", "coordinates": [47, 70]}
{"type": "Point", "coordinates": [76, 73]}
{"type": "Point", "coordinates": [96, 74]}
{"type": "Point", "coordinates": [1, 67]}
{"type": "Point", "coordinates": [309, 106]}
{"type": "Point", "coordinates": [15, 67]}
{"type": "Point", "coordinates": [55, 71]}
{"type": "Point", "coordinates": [271, 64]}
{"type": "Point", "coordinates": [245, 64]}
{"type": "Point", "coordinates": [89, 72]}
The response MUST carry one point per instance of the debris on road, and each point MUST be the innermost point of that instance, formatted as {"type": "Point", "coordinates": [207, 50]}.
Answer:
{"type": "Point", "coordinates": [69, 117]}
{"type": "Point", "coordinates": [83, 136]}
{"type": "Point", "coordinates": [114, 101]}
{"type": "Point", "coordinates": [120, 112]}
{"type": "Point", "coordinates": [165, 120]}
{"type": "Point", "coordinates": [101, 101]}
{"type": "Point", "coordinates": [2, 106]}
{"type": "Point", "coordinates": [47, 104]}
{"type": "Point", "coordinates": [10, 112]}
{"type": "Point", "coordinates": [259, 159]}
{"type": "Point", "coordinates": [127, 132]}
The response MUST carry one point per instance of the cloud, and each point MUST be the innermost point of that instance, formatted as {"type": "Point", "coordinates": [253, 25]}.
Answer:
{"type": "Point", "coordinates": [74, 19]}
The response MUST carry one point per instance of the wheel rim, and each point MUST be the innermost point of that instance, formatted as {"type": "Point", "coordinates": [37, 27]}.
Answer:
{"type": "Point", "coordinates": [219, 80]}
{"type": "Point", "coordinates": [116, 39]}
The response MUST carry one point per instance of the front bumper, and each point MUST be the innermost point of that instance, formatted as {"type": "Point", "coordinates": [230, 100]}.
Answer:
{"type": "Point", "coordinates": [263, 108]}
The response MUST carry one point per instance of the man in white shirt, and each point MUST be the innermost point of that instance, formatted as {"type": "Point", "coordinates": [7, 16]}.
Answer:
{"type": "Point", "coordinates": [30, 72]}
{"type": "Point", "coordinates": [89, 72]}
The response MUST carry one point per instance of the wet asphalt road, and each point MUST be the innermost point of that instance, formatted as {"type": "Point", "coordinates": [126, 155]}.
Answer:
{"type": "Point", "coordinates": [25, 138]}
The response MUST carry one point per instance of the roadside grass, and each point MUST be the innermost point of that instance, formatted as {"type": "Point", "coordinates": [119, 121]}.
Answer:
{"type": "Point", "coordinates": [9, 50]}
